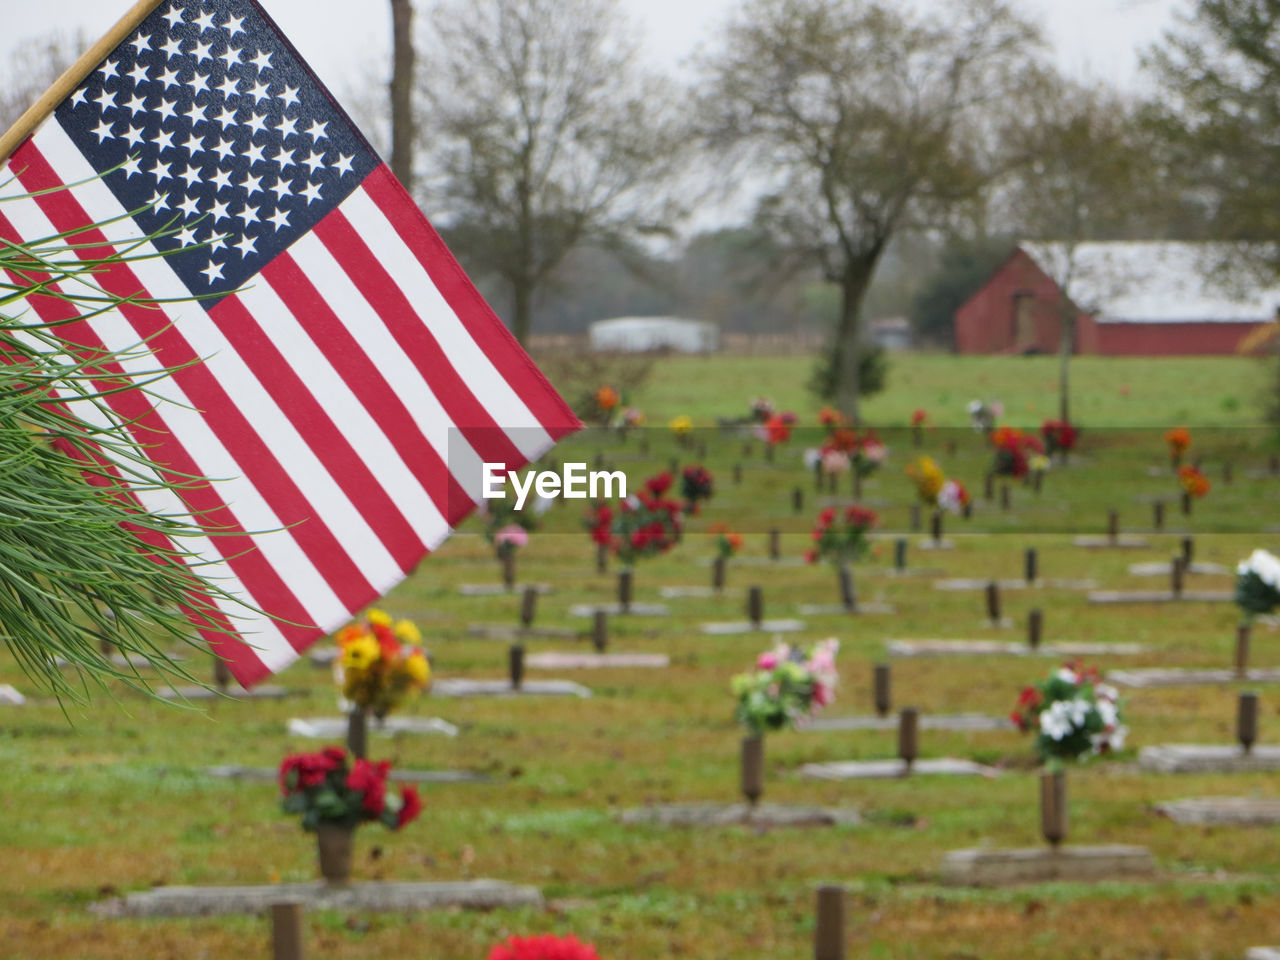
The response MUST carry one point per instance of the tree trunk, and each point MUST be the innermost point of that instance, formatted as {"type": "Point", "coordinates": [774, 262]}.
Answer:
{"type": "Point", "coordinates": [402, 132]}
{"type": "Point", "coordinates": [1065, 348]}
{"type": "Point", "coordinates": [522, 311]}
{"type": "Point", "coordinates": [848, 348]}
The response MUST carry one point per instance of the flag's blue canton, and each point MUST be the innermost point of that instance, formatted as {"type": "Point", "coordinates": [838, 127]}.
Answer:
{"type": "Point", "coordinates": [219, 127]}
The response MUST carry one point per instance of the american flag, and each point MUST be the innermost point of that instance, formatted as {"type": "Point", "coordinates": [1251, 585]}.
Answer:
{"type": "Point", "coordinates": [340, 380]}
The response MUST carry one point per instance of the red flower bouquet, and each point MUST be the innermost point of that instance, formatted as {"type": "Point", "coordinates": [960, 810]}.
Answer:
{"type": "Point", "coordinates": [326, 790]}
{"type": "Point", "coordinates": [696, 485]}
{"type": "Point", "coordinates": [544, 947]}
{"type": "Point", "coordinates": [841, 535]}
{"type": "Point", "coordinates": [642, 525]}
{"type": "Point", "coordinates": [1014, 450]}
{"type": "Point", "coordinates": [1059, 436]}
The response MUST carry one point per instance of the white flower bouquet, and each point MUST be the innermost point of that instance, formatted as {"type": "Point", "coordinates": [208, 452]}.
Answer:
{"type": "Point", "coordinates": [1073, 715]}
{"type": "Point", "coordinates": [1258, 584]}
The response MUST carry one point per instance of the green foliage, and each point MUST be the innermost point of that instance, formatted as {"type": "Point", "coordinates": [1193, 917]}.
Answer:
{"type": "Point", "coordinates": [1221, 77]}
{"type": "Point", "coordinates": [962, 270]}
{"type": "Point", "coordinates": [873, 373]}
{"type": "Point", "coordinates": [74, 575]}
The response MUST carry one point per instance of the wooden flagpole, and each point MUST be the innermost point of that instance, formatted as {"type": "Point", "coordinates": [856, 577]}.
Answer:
{"type": "Point", "coordinates": [66, 84]}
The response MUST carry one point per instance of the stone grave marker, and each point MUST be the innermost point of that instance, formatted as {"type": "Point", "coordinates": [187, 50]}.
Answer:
{"type": "Point", "coordinates": [335, 728]}
{"type": "Point", "coordinates": [1056, 862]}
{"type": "Point", "coordinates": [190, 901]}
{"type": "Point", "coordinates": [983, 648]}
{"type": "Point", "coordinates": [1223, 811]}
{"type": "Point", "coordinates": [10, 697]}
{"type": "Point", "coordinates": [1218, 758]}
{"type": "Point", "coordinates": [1113, 538]}
{"type": "Point", "coordinates": [755, 622]}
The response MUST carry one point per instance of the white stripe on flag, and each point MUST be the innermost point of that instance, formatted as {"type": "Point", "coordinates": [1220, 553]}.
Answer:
{"type": "Point", "coordinates": [333, 509]}
{"type": "Point", "coordinates": [259, 632]}
{"type": "Point", "coordinates": [490, 388]}
{"type": "Point", "coordinates": [350, 416]}
{"type": "Point", "coordinates": [330, 279]}
{"type": "Point", "coordinates": [213, 459]}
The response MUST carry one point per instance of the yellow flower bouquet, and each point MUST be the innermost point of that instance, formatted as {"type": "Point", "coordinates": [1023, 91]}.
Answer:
{"type": "Point", "coordinates": [381, 664]}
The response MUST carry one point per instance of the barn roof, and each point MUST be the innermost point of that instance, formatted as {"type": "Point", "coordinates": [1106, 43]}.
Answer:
{"type": "Point", "coordinates": [1147, 282]}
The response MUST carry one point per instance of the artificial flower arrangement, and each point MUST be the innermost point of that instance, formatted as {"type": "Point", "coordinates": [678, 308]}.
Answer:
{"type": "Point", "coordinates": [928, 478]}
{"type": "Point", "coordinates": [327, 790]}
{"type": "Point", "coordinates": [696, 485]}
{"type": "Point", "coordinates": [630, 419]}
{"type": "Point", "coordinates": [728, 543]}
{"type": "Point", "coordinates": [644, 524]}
{"type": "Point", "coordinates": [1178, 440]}
{"type": "Point", "coordinates": [953, 497]}
{"type": "Point", "coordinates": [831, 418]}
{"type": "Point", "coordinates": [506, 527]}
{"type": "Point", "coordinates": [864, 452]}
{"type": "Point", "coordinates": [600, 406]}
{"type": "Point", "coordinates": [1258, 584]}
{"type": "Point", "coordinates": [1194, 482]}
{"type": "Point", "coordinates": [787, 686]}
{"type": "Point", "coordinates": [919, 420]}
{"type": "Point", "coordinates": [761, 410]}
{"type": "Point", "coordinates": [1072, 714]}
{"type": "Point", "coordinates": [776, 429]}
{"type": "Point", "coordinates": [1017, 453]}
{"type": "Point", "coordinates": [840, 536]}
{"type": "Point", "coordinates": [381, 663]}
{"type": "Point", "coordinates": [1059, 436]}
{"type": "Point", "coordinates": [681, 426]}
{"type": "Point", "coordinates": [546, 946]}
{"type": "Point", "coordinates": [983, 414]}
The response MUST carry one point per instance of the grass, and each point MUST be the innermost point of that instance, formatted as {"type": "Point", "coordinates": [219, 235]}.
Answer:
{"type": "Point", "coordinates": [1106, 391]}
{"type": "Point", "coordinates": [117, 800]}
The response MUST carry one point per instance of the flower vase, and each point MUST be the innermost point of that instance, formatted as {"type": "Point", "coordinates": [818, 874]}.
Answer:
{"type": "Point", "coordinates": [1053, 806]}
{"type": "Point", "coordinates": [333, 844]}
{"type": "Point", "coordinates": [1242, 650]}
{"type": "Point", "coordinates": [752, 768]}
{"type": "Point", "coordinates": [358, 733]}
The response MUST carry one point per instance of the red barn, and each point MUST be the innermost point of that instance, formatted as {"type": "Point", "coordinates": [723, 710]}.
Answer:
{"type": "Point", "coordinates": [1130, 299]}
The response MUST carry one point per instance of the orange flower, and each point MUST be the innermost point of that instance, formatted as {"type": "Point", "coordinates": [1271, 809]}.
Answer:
{"type": "Point", "coordinates": [1178, 439]}
{"type": "Point", "coordinates": [607, 398]}
{"type": "Point", "coordinates": [1193, 481]}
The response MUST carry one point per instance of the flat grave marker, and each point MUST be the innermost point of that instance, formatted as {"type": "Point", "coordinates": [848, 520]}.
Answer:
{"type": "Point", "coordinates": [762, 815]}
{"type": "Point", "coordinates": [553, 660]}
{"type": "Point", "coordinates": [976, 648]}
{"type": "Point", "coordinates": [1223, 811]}
{"type": "Point", "coordinates": [183, 901]}
{"type": "Point", "coordinates": [458, 687]}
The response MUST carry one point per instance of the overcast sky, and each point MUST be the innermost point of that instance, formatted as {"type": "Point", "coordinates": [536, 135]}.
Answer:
{"type": "Point", "coordinates": [1099, 39]}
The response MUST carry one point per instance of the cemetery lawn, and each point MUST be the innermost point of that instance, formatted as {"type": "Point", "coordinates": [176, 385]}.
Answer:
{"type": "Point", "coordinates": [114, 797]}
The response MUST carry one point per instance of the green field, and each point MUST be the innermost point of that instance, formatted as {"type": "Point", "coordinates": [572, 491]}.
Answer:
{"type": "Point", "coordinates": [113, 797]}
{"type": "Point", "coordinates": [1106, 391]}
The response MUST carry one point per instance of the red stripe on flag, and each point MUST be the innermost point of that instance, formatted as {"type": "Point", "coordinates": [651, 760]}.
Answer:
{"type": "Point", "coordinates": [323, 436]}
{"type": "Point", "coordinates": [365, 379]}
{"type": "Point", "coordinates": [377, 286]}
{"type": "Point", "coordinates": [206, 393]}
{"type": "Point", "coordinates": [485, 328]}
{"type": "Point", "coordinates": [200, 500]}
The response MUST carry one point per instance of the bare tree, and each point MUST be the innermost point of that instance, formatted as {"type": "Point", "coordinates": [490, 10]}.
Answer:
{"type": "Point", "coordinates": [30, 69]}
{"type": "Point", "coordinates": [866, 120]}
{"type": "Point", "coordinates": [541, 135]}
